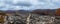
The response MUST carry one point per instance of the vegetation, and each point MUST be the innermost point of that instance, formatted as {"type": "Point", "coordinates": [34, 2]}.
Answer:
{"type": "Point", "coordinates": [57, 12]}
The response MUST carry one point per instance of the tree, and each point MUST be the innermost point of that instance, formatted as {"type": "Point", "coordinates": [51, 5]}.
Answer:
{"type": "Point", "coordinates": [42, 12]}
{"type": "Point", "coordinates": [2, 15]}
{"type": "Point", "coordinates": [57, 12]}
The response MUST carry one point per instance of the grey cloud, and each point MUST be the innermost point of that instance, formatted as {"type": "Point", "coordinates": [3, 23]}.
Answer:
{"type": "Point", "coordinates": [23, 4]}
{"type": "Point", "coordinates": [1, 7]}
{"type": "Point", "coordinates": [26, 4]}
{"type": "Point", "coordinates": [41, 0]}
{"type": "Point", "coordinates": [8, 2]}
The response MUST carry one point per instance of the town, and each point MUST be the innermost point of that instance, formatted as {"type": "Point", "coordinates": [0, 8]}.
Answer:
{"type": "Point", "coordinates": [27, 17]}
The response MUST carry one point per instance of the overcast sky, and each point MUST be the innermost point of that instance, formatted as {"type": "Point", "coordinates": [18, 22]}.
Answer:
{"type": "Point", "coordinates": [29, 4]}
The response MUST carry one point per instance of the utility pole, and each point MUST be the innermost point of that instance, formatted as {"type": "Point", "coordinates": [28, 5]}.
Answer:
{"type": "Point", "coordinates": [28, 19]}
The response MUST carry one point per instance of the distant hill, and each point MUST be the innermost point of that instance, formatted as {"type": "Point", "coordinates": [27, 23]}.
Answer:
{"type": "Point", "coordinates": [37, 11]}
{"type": "Point", "coordinates": [44, 11]}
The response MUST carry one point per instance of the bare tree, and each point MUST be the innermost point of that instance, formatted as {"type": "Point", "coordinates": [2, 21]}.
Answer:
{"type": "Point", "coordinates": [57, 12]}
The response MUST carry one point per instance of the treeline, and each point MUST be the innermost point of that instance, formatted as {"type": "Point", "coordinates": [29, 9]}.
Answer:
{"type": "Point", "coordinates": [55, 12]}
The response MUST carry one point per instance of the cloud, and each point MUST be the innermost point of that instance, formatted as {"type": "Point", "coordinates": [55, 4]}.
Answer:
{"type": "Point", "coordinates": [29, 4]}
{"type": "Point", "coordinates": [23, 4]}
{"type": "Point", "coordinates": [50, 4]}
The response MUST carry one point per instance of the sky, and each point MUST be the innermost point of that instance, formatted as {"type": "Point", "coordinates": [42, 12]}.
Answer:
{"type": "Point", "coordinates": [29, 4]}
